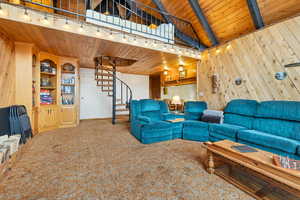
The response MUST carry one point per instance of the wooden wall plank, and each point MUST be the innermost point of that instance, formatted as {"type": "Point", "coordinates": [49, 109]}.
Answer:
{"type": "Point", "coordinates": [7, 71]}
{"type": "Point", "coordinates": [255, 58]}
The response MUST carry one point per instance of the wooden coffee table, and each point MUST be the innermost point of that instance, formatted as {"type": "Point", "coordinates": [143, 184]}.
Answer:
{"type": "Point", "coordinates": [259, 164]}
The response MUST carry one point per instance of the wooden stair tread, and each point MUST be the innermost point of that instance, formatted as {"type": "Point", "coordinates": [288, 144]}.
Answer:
{"type": "Point", "coordinates": [121, 104]}
{"type": "Point", "coordinates": [103, 74]}
{"type": "Point", "coordinates": [105, 85]}
{"type": "Point", "coordinates": [106, 69]}
{"type": "Point", "coordinates": [123, 109]}
{"type": "Point", "coordinates": [103, 80]}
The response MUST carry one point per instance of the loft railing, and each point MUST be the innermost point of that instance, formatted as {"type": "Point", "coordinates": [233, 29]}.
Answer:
{"type": "Point", "coordinates": [124, 15]}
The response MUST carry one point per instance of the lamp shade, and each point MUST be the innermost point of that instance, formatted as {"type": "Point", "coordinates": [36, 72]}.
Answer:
{"type": "Point", "coordinates": [176, 100]}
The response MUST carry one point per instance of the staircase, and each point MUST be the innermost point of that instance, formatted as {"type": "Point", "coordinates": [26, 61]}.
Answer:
{"type": "Point", "coordinates": [107, 80]}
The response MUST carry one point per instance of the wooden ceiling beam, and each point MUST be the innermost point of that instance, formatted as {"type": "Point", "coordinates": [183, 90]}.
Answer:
{"type": "Point", "coordinates": [185, 38]}
{"type": "Point", "coordinates": [255, 13]}
{"type": "Point", "coordinates": [203, 21]}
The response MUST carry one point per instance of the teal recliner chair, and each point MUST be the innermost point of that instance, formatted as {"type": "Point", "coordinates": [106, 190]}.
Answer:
{"type": "Point", "coordinates": [193, 128]}
{"type": "Point", "coordinates": [148, 123]}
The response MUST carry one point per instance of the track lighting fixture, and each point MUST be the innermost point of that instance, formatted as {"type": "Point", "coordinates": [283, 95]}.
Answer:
{"type": "Point", "coordinates": [66, 25]}
{"type": "Point", "coordinates": [98, 33]}
{"type": "Point", "coordinates": [26, 16]}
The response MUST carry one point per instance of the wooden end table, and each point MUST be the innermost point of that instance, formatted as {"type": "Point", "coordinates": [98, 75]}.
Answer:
{"type": "Point", "coordinates": [258, 164]}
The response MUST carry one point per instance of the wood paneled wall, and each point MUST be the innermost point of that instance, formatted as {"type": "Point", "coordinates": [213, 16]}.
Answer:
{"type": "Point", "coordinates": [7, 71]}
{"type": "Point", "coordinates": [255, 58]}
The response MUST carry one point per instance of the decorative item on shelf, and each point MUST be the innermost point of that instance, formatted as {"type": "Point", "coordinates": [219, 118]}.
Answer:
{"type": "Point", "coordinates": [182, 74]}
{"type": "Point", "coordinates": [46, 97]}
{"type": "Point", "coordinates": [152, 26]}
{"type": "Point", "coordinates": [165, 90]}
{"type": "Point", "coordinates": [48, 66]}
{"type": "Point", "coordinates": [168, 78]}
{"type": "Point", "coordinates": [281, 75]}
{"type": "Point", "coordinates": [45, 82]}
{"type": "Point", "coordinates": [68, 68]}
{"type": "Point", "coordinates": [181, 68]}
{"type": "Point", "coordinates": [215, 83]}
{"type": "Point", "coordinates": [176, 101]}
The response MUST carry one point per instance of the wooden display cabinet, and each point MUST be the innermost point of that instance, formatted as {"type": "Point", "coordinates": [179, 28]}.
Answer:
{"type": "Point", "coordinates": [48, 117]}
{"type": "Point", "coordinates": [69, 92]}
{"type": "Point", "coordinates": [51, 88]}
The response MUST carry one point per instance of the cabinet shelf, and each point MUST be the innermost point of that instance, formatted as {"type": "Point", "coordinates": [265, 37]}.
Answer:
{"type": "Point", "coordinates": [47, 73]}
{"type": "Point", "coordinates": [68, 72]}
{"type": "Point", "coordinates": [48, 87]}
{"type": "Point", "coordinates": [66, 84]}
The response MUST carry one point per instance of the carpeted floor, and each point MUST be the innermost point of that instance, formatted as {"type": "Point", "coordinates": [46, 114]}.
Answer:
{"type": "Point", "coordinates": [100, 161]}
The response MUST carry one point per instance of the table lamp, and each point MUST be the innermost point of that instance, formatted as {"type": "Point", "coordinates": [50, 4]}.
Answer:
{"type": "Point", "coordinates": [176, 100]}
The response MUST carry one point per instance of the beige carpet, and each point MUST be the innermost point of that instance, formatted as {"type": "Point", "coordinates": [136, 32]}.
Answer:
{"type": "Point", "coordinates": [100, 161]}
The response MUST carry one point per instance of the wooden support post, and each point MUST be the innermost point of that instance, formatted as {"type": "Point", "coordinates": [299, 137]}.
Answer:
{"type": "Point", "coordinates": [114, 94]}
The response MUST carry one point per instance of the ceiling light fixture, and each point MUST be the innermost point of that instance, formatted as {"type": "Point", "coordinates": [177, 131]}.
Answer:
{"type": "Point", "coordinates": [26, 15]}
{"type": "Point", "coordinates": [66, 25]}
{"type": "Point", "coordinates": [124, 38]}
{"type": "Point", "coordinates": [98, 33]}
{"type": "Point", "coordinates": [1, 10]}
{"type": "Point", "coordinates": [45, 20]}
{"type": "Point", "coordinates": [111, 36]}
{"type": "Point", "coordinates": [166, 67]}
{"type": "Point", "coordinates": [134, 40]}
{"type": "Point", "coordinates": [81, 28]}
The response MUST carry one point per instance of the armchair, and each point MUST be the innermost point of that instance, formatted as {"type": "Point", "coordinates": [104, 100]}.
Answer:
{"type": "Point", "coordinates": [147, 121]}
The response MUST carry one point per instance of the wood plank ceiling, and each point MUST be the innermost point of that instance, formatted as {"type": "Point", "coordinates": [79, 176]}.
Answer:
{"type": "Point", "coordinates": [229, 19]}
{"type": "Point", "coordinates": [86, 48]}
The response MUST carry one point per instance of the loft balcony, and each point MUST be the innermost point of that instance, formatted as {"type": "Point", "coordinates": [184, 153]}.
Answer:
{"type": "Point", "coordinates": [123, 21]}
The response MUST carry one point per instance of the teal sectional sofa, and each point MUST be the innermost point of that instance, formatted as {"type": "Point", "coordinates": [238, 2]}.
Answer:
{"type": "Point", "coordinates": [272, 126]}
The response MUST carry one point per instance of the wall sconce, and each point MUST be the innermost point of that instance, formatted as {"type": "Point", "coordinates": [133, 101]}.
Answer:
{"type": "Point", "coordinates": [238, 81]}
{"type": "Point", "coordinates": [280, 75]}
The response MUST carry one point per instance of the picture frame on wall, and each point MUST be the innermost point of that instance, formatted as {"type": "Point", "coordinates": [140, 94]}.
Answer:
{"type": "Point", "coordinates": [182, 74]}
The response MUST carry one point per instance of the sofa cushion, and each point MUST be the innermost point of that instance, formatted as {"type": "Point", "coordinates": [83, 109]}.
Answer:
{"type": "Point", "coordinates": [268, 140]}
{"type": "Point", "coordinates": [156, 129]}
{"type": "Point", "coordinates": [153, 115]}
{"type": "Point", "coordinates": [228, 130]}
{"type": "Point", "coordinates": [193, 109]}
{"type": "Point", "coordinates": [287, 110]}
{"type": "Point", "coordinates": [239, 120]}
{"type": "Point", "coordinates": [195, 106]}
{"type": "Point", "coordinates": [149, 105]}
{"type": "Point", "coordinates": [194, 123]}
{"type": "Point", "coordinates": [242, 107]}
{"type": "Point", "coordinates": [283, 128]}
